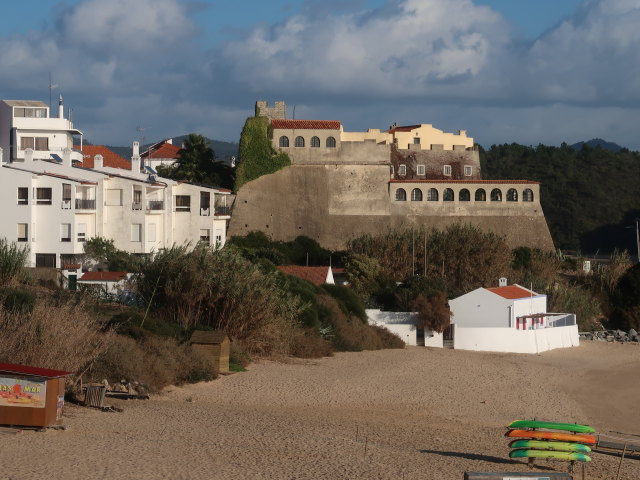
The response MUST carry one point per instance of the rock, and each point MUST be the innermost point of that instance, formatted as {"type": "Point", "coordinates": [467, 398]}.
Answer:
{"type": "Point", "coordinates": [633, 333]}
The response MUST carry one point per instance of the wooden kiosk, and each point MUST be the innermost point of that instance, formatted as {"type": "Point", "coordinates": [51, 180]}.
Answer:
{"type": "Point", "coordinates": [216, 345]}
{"type": "Point", "coordinates": [30, 396]}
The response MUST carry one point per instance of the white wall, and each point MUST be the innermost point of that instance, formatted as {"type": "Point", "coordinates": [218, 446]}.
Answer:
{"type": "Point", "coordinates": [515, 341]}
{"type": "Point", "coordinates": [403, 324]}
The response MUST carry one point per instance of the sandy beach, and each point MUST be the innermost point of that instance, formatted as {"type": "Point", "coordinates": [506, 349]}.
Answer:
{"type": "Point", "coordinates": [414, 414]}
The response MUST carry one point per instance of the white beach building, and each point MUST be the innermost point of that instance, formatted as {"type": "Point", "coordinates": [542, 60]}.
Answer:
{"type": "Point", "coordinates": [405, 326]}
{"type": "Point", "coordinates": [53, 204]}
{"type": "Point", "coordinates": [509, 318]}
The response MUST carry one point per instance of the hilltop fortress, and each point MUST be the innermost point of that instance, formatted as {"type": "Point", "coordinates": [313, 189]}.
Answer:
{"type": "Point", "coordinates": [344, 184]}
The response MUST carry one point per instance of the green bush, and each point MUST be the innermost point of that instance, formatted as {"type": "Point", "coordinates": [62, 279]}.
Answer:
{"type": "Point", "coordinates": [256, 156]}
{"type": "Point", "coordinates": [348, 301]}
{"type": "Point", "coordinates": [13, 259]}
{"type": "Point", "coordinates": [17, 300]}
{"type": "Point", "coordinates": [307, 343]}
{"type": "Point", "coordinates": [348, 333]}
{"type": "Point", "coordinates": [388, 339]}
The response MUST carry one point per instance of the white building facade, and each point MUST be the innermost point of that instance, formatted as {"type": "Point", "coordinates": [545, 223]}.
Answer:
{"type": "Point", "coordinates": [53, 205]}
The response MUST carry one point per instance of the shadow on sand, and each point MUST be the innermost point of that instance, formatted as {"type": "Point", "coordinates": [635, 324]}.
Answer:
{"type": "Point", "coordinates": [484, 458]}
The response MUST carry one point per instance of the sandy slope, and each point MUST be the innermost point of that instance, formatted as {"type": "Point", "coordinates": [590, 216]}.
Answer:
{"type": "Point", "coordinates": [424, 413]}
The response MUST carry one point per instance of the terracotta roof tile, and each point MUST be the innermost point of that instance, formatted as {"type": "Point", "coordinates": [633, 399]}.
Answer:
{"type": "Point", "coordinates": [33, 371]}
{"type": "Point", "coordinates": [166, 150]}
{"type": "Point", "coordinates": [306, 124]}
{"type": "Point", "coordinates": [315, 275]}
{"type": "Point", "coordinates": [71, 266]}
{"type": "Point", "coordinates": [110, 158]}
{"type": "Point", "coordinates": [512, 292]}
{"type": "Point", "coordinates": [103, 276]}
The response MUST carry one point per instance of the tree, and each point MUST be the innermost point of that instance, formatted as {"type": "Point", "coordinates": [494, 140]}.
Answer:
{"type": "Point", "coordinates": [197, 164]}
{"type": "Point", "coordinates": [433, 312]}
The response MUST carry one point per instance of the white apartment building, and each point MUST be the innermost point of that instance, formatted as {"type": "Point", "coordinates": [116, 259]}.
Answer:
{"type": "Point", "coordinates": [53, 205]}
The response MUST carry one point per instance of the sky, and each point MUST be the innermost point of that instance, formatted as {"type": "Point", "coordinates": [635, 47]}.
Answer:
{"type": "Point", "coordinates": [543, 71]}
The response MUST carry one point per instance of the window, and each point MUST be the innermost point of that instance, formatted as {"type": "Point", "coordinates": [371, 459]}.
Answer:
{"type": "Point", "coordinates": [205, 235]}
{"type": "Point", "coordinates": [284, 141]}
{"type": "Point", "coordinates": [331, 142]}
{"type": "Point", "coordinates": [468, 170]}
{"type": "Point", "coordinates": [446, 170]}
{"type": "Point", "coordinates": [447, 195]}
{"type": "Point", "coordinates": [401, 195]}
{"type": "Point", "coordinates": [496, 195]}
{"type": "Point", "coordinates": [432, 195]}
{"type": "Point", "coordinates": [299, 142]}
{"type": "Point", "coordinates": [47, 260]}
{"type": "Point", "coordinates": [114, 196]}
{"type": "Point", "coordinates": [402, 170]}
{"type": "Point", "coordinates": [66, 196]}
{"type": "Point", "coordinates": [23, 232]}
{"type": "Point", "coordinates": [416, 140]}
{"type": "Point", "coordinates": [416, 195]}
{"type": "Point", "coordinates": [218, 237]}
{"type": "Point", "coordinates": [136, 232]}
{"type": "Point", "coordinates": [392, 171]}
{"type": "Point", "coordinates": [420, 170]}
{"type": "Point", "coordinates": [527, 195]}
{"type": "Point", "coordinates": [30, 112]}
{"type": "Point", "coordinates": [65, 232]}
{"type": "Point", "coordinates": [23, 196]}
{"type": "Point", "coordinates": [481, 195]}
{"type": "Point", "coordinates": [512, 195]}
{"type": "Point", "coordinates": [81, 230]}
{"type": "Point", "coordinates": [42, 143]}
{"type": "Point", "coordinates": [205, 204]}
{"type": "Point", "coordinates": [464, 195]}
{"type": "Point", "coordinates": [27, 142]}
{"type": "Point", "coordinates": [43, 196]}
{"type": "Point", "coordinates": [137, 199]}
{"type": "Point", "coordinates": [315, 142]}
{"type": "Point", "coordinates": [151, 232]}
{"type": "Point", "coordinates": [183, 203]}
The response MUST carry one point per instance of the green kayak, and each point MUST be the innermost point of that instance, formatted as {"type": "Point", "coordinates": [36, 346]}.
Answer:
{"type": "Point", "coordinates": [571, 456]}
{"type": "Point", "coordinates": [567, 427]}
{"type": "Point", "coordinates": [554, 446]}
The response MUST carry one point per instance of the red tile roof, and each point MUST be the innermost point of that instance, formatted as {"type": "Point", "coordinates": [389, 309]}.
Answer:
{"type": "Point", "coordinates": [315, 275]}
{"type": "Point", "coordinates": [32, 371]}
{"type": "Point", "coordinates": [166, 150]}
{"type": "Point", "coordinates": [306, 124]}
{"type": "Point", "coordinates": [519, 182]}
{"type": "Point", "coordinates": [103, 276]}
{"type": "Point", "coordinates": [512, 292]}
{"type": "Point", "coordinates": [110, 158]}
{"type": "Point", "coordinates": [71, 266]}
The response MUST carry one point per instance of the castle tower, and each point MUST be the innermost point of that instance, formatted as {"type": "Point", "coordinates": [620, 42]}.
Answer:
{"type": "Point", "coordinates": [278, 111]}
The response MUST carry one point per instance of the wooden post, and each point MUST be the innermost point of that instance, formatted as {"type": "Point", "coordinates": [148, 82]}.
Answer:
{"type": "Point", "coordinates": [357, 431]}
{"type": "Point", "coordinates": [621, 458]}
{"type": "Point", "coordinates": [365, 446]}
{"type": "Point", "coordinates": [583, 471]}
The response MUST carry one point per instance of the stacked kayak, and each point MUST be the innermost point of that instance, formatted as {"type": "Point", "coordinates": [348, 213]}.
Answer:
{"type": "Point", "coordinates": [560, 441]}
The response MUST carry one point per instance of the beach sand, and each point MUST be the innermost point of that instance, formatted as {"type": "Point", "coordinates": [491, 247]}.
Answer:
{"type": "Point", "coordinates": [416, 413]}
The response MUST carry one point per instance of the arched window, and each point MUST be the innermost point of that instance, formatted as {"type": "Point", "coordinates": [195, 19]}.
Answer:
{"type": "Point", "coordinates": [527, 195]}
{"type": "Point", "coordinates": [481, 195]}
{"type": "Point", "coordinates": [432, 195]}
{"type": "Point", "coordinates": [496, 195]}
{"type": "Point", "coordinates": [401, 195]}
{"type": "Point", "coordinates": [416, 195]}
{"type": "Point", "coordinates": [299, 142]}
{"type": "Point", "coordinates": [331, 142]}
{"type": "Point", "coordinates": [284, 141]}
{"type": "Point", "coordinates": [315, 142]}
{"type": "Point", "coordinates": [512, 195]}
{"type": "Point", "coordinates": [464, 195]}
{"type": "Point", "coordinates": [447, 195]}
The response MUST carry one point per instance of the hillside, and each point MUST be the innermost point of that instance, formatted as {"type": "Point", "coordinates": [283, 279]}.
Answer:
{"type": "Point", "coordinates": [589, 196]}
{"type": "Point", "coordinates": [598, 143]}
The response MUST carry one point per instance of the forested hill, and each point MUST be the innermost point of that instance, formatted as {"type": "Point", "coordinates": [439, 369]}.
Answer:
{"type": "Point", "coordinates": [589, 196]}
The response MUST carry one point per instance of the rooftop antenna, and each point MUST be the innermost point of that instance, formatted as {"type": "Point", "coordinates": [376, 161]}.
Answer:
{"type": "Point", "coordinates": [294, 112]}
{"type": "Point", "coordinates": [51, 87]}
{"type": "Point", "coordinates": [142, 137]}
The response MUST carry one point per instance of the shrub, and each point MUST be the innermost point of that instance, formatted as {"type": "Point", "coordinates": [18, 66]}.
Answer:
{"type": "Point", "coordinates": [433, 312]}
{"type": "Point", "coordinates": [348, 301]}
{"type": "Point", "coordinates": [307, 343]}
{"type": "Point", "coordinates": [13, 258]}
{"type": "Point", "coordinates": [388, 339]}
{"type": "Point", "coordinates": [348, 334]}
{"type": "Point", "coordinates": [239, 355]}
{"type": "Point", "coordinates": [17, 300]}
{"type": "Point", "coordinates": [575, 299]}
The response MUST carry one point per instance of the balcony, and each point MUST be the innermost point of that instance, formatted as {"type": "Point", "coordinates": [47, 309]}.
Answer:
{"type": "Point", "coordinates": [85, 204]}
{"type": "Point", "coordinates": [66, 204]}
{"type": "Point", "coordinates": [222, 210]}
{"type": "Point", "coordinates": [205, 212]}
{"type": "Point", "coordinates": [136, 206]}
{"type": "Point", "coordinates": [155, 205]}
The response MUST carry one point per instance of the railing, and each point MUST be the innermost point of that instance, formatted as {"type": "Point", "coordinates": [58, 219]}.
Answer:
{"type": "Point", "coordinates": [85, 204]}
{"type": "Point", "coordinates": [220, 210]}
{"type": "Point", "coordinates": [136, 206]}
{"type": "Point", "coordinates": [205, 212]}
{"type": "Point", "coordinates": [155, 205]}
{"type": "Point", "coordinates": [66, 204]}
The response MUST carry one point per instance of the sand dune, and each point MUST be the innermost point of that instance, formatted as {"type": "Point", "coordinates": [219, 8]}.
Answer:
{"type": "Point", "coordinates": [421, 413]}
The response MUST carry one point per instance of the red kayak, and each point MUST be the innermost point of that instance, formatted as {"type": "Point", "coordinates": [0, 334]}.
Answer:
{"type": "Point", "coordinates": [562, 437]}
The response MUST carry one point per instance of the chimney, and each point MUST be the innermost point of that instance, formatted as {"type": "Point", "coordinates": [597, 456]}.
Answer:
{"type": "Point", "coordinates": [502, 282]}
{"type": "Point", "coordinates": [169, 141]}
{"type": "Point", "coordinates": [0, 155]}
{"type": "Point", "coordinates": [97, 162]}
{"type": "Point", "coordinates": [66, 157]}
{"type": "Point", "coordinates": [136, 149]}
{"type": "Point", "coordinates": [135, 164]}
{"type": "Point", "coordinates": [60, 108]}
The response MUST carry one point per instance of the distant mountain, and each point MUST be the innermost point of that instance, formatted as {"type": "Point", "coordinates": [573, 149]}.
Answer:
{"type": "Point", "coordinates": [598, 142]}
{"type": "Point", "coordinates": [223, 150]}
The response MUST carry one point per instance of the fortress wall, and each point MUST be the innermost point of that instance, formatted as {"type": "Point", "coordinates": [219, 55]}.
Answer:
{"type": "Point", "coordinates": [434, 161]}
{"type": "Point", "coordinates": [333, 203]}
{"type": "Point", "coordinates": [367, 152]}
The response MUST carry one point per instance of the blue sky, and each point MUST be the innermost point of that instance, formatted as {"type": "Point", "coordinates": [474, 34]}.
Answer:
{"type": "Point", "coordinates": [542, 71]}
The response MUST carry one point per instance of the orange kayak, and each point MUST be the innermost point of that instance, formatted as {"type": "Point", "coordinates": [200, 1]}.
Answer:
{"type": "Point", "coordinates": [562, 437]}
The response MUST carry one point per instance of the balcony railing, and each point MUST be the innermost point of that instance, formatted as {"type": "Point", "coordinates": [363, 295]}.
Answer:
{"type": "Point", "coordinates": [155, 205]}
{"type": "Point", "coordinates": [85, 204]}
{"type": "Point", "coordinates": [220, 210]}
{"type": "Point", "coordinates": [66, 204]}
{"type": "Point", "coordinates": [136, 206]}
{"type": "Point", "coordinates": [205, 212]}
